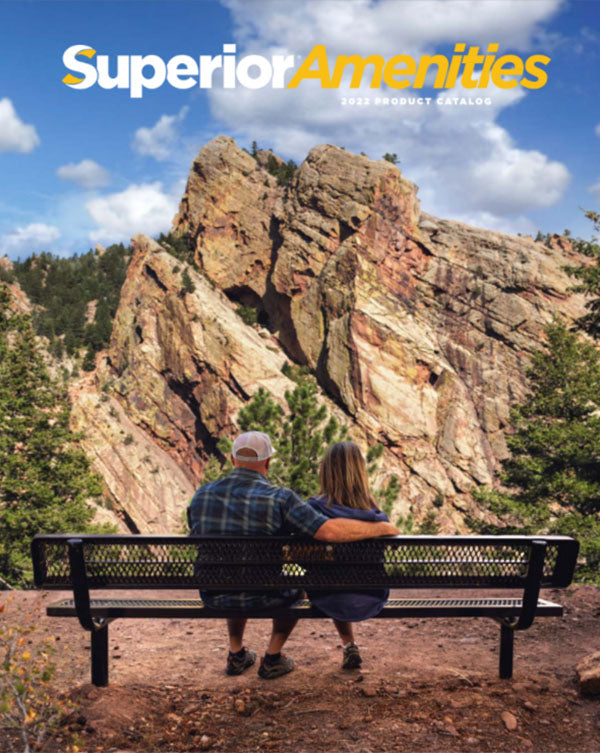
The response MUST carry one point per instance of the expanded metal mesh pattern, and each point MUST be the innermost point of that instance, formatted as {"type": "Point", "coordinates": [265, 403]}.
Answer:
{"type": "Point", "coordinates": [194, 603]}
{"type": "Point", "coordinates": [275, 563]}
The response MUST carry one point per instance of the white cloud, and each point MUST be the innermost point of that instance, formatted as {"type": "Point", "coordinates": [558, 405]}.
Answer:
{"type": "Point", "coordinates": [143, 208]}
{"type": "Point", "coordinates": [86, 173]}
{"type": "Point", "coordinates": [465, 163]}
{"type": "Point", "coordinates": [30, 239]}
{"type": "Point", "coordinates": [388, 27]}
{"type": "Point", "coordinates": [597, 130]}
{"type": "Point", "coordinates": [160, 140]}
{"type": "Point", "coordinates": [513, 226]}
{"type": "Point", "coordinates": [15, 136]}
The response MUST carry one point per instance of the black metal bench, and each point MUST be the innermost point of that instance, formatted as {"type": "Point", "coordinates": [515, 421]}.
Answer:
{"type": "Point", "coordinates": [84, 563]}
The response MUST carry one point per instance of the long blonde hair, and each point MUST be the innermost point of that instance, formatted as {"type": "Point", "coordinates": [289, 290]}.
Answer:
{"type": "Point", "coordinates": [343, 477]}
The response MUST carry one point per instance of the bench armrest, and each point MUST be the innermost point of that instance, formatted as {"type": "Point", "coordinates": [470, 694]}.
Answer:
{"type": "Point", "coordinates": [531, 591]}
{"type": "Point", "coordinates": [81, 592]}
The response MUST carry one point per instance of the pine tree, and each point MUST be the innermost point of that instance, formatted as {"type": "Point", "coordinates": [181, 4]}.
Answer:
{"type": "Point", "coordinates": [300, 436]}
{"type": "Point", "coordinates": [589, 278]}
{"type": "Point", "coordinates": [553, 474]}
{"type": "Point", "coordinates": [44, 479]}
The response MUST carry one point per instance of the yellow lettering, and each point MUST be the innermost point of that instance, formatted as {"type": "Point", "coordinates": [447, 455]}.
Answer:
{"type": "Point", "coordinates": [318, 54]}
{"type": "Point", "coordinates": [393, 69]}
{"type": "Point", "coordinates": [507, 65]}
{"type": "Point", "coordinates": [424, 62]}
{"type": "Point", "coordinates": [541, 76]}
{"type": "Point", "coordinates": [359, 64]}
{"type": "Point", "coordinates": [484, 76]}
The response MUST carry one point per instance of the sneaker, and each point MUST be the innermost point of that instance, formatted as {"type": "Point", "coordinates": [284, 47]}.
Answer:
{"type": "Point", "coordinates": [238, 664]}
{"type": "Point", "coordinates": [352, 657]}
{"type": "Point", "coordinates": [271, 671]}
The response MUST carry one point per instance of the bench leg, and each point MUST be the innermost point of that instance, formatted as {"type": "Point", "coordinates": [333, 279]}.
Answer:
{"type": "Point", "coordinates": [507, 636]}
{"type": "Point", "coordinates": [100, 657]}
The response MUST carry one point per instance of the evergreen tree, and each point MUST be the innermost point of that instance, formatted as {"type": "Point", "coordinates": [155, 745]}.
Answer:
{"type": "Point", "coordinates": [553, 474]}
{"type": "Point", "coordinates": [44, 479]}
{"type": "Point", "coordinates": [589, 278]}
{"type": "Point", "coordinates": [89, 360]}
{"type": "Point", "coordinates": [284, 171]}
{"type": "Point", "coordinates": [300, 436]}
{"type": "Point", "coordinates": [61, 288]}
{"type": "Point", "coordinates": [188, 285]}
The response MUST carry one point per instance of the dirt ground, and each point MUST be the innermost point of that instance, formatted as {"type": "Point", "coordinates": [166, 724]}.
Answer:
{"type": "Point", "coordinates": [425, 685]}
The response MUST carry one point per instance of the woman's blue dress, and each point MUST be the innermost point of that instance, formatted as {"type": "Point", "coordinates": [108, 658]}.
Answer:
{"type": "Point", "coordinates": [349, 606]}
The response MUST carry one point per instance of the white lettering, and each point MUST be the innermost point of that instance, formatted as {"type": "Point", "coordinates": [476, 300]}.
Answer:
{"type": "Point", "coordinates": [181, 66]}
{"type": "Point", "coordinates": [265, 71]}
{"type": "Point", "coordinates": [139, 81]}
{"type": "Point", "coordinates": [208, 66]}
{"type": "Point", "coordinates": [87, 70]}
{"type": "Point", "coordinates": [121, 80]}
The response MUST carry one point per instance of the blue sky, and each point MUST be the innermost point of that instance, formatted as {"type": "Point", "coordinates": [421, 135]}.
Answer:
{"type": "Point", "coordinates": [80, 167]}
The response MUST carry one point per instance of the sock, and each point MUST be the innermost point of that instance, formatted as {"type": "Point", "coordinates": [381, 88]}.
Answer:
{"type": "Point", "coordinates": [347, 645]}
{"type": "Point", "coordinates": [238, 654]}
{"type": "Point", "coordinates": [272, 658]}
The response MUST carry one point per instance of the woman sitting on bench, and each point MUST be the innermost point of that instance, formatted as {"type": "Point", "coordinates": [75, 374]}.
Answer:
{"type": "Point", "coordinates": [345, 494]}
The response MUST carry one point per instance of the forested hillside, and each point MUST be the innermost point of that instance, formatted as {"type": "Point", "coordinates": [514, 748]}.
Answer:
{"type": "Point", "coordinates": [75, 298]}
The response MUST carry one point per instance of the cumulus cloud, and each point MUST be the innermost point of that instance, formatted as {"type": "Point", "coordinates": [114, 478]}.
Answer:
{"type": "Point", "coordinates": [388, 26]}
{"type": "Point", "coordinates": [87, 173]}
{"type": "Point", "coordinates": [30, 239]}
{"type": "Point", "coordinates": [513, 225]}
{"type": "Point", "coordinates": [140, 208]}
{"type": "Point", "coordinates": [15, 136]}
{"type": "Point", "coordinates": [466, 164]}
{"type": "Point", "coordinates": [159, 140]}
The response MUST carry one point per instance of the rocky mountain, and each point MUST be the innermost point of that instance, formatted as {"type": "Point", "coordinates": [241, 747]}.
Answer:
{"type": "Point", "coordinates": [418, 329]}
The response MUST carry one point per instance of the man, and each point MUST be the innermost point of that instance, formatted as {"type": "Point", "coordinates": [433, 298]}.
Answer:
{"type": "Point", "coordinates": [246, 504]}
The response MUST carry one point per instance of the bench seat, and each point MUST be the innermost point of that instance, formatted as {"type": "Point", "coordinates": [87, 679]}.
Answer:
{"type": "Point", "coordinates": [395, 608]}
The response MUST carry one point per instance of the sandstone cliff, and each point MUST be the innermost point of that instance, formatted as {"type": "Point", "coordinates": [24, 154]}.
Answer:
{"type": "Point", "coordinates": [418, 329]}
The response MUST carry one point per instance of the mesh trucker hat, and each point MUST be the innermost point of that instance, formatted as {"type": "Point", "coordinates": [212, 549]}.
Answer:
{"type": "Point", "coordinates": [253, 440]}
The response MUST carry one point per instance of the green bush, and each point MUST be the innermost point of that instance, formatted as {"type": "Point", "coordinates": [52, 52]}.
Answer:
{"type": "Point", "coordinates": [247, 314]}
{"type": "Point", "coordinates": [552, 478]}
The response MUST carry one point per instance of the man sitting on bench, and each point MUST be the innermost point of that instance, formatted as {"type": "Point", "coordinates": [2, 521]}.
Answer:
{"type": "Point", "coordinates": [246, 504]}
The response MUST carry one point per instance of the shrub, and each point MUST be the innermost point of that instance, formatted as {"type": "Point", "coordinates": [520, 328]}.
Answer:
{"type": "Point", "coordinates": [247, 314]}
{"type": "Point", "coordinates": [30, 709]}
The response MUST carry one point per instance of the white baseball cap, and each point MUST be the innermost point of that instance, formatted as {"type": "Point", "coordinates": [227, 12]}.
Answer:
{"type": "Point", "coordinates": [257, 441]}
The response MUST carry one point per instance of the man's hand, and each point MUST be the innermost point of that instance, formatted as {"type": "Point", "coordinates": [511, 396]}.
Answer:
{"type": "Point", "coordinates": [343, 529]}
{"type": "Point", "coordinates": [390, 530]}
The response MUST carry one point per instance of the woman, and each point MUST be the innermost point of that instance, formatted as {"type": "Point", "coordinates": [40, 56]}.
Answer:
{"type": "Point", "coordinates": [345, 494]}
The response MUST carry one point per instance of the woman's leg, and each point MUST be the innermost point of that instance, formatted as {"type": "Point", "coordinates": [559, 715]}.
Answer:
{"type": "Point", "coordinates": [352, 658]}
{"type": "Point", "coordinates": [345, 631]}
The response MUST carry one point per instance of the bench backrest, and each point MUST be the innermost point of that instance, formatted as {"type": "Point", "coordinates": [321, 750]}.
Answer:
{"type": "Point", "coordinates": [238, 563]}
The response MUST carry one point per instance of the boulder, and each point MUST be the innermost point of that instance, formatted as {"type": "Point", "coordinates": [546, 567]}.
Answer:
{"type": "Point", "coordinates": [588, 674]}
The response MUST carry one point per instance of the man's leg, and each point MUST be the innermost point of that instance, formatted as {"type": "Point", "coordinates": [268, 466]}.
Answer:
{"type": "Point", "coordinates": [274, 663]}
{"type": "Point", "coordinates": [236, 627]}
{"type": "Point", "coordinates": [282, 627]}
{"type": "Point", "coordinates": [239, 658]}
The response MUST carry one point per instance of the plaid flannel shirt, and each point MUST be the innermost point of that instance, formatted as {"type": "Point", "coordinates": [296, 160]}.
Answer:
{"type": "Point", "coordinates": [246, 504]}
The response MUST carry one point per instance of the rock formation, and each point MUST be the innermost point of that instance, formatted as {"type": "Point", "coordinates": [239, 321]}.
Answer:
{"type": "Point", "coordinates": [588, 674]}
{"type": "Point", "coordinates": [418, 329]}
